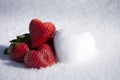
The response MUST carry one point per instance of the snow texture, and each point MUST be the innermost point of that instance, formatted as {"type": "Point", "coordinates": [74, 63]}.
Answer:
{"type": "Point", "coordinates": [99, 17]}
{"type": "Point", "coordinates": [74, 47]}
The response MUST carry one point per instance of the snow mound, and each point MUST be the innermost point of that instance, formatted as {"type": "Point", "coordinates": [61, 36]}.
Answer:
{"type": "Point", "coordinates": [74, 47]}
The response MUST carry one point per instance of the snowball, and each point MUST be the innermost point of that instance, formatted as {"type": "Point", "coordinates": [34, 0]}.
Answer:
{"type": "Point", "coordinates": [74, 47]}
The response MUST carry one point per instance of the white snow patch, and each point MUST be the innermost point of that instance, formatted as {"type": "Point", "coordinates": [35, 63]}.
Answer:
{"type": "Point", "coordinates": [74, 47]}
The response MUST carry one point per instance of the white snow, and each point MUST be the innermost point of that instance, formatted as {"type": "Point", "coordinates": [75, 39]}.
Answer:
{"type": "Point", "coordinates": [74, 47]}
{"type": "Point", "coordinates": [101, 18]}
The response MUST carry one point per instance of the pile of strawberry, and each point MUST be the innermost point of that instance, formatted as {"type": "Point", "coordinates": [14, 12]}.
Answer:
{"type": "Point", "coordinates": [34, 49]}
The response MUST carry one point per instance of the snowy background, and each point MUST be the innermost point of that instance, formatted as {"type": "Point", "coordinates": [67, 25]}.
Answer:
{"type": "Point", "coordinates": [100, 17]}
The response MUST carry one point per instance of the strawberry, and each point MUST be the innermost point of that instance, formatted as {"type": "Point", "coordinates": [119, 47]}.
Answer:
{"type": "Point", "coordinates": [43, 57]}
{"type": "Point", "coordinates": [51, 27]}
{"type": "Point", "coordinates": [19, 51]}
{"type": "Point", "coordinates": [18, 48]}
{"type": "Point", "coordinates": [40, 32]}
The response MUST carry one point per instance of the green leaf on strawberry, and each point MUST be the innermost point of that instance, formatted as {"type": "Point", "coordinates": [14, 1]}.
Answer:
{"type": "Point", "coordinates": [8, 50]}
{"type": "Point", "coordinates": [21, 38]}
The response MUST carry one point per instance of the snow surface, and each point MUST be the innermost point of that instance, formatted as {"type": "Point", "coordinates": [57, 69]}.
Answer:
{"type": "Point", "coordinates": [74, 47]}
{"type": "Point", "coordinates": [99, 17]}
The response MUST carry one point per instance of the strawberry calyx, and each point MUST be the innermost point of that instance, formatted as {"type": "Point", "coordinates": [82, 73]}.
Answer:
{"type": "Point", "coordinates": [24, 38]}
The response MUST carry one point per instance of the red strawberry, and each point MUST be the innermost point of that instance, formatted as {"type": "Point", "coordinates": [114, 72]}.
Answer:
{"type": "Point", "coordinates": [40, 32]}
{"type": "Point", "coordinates": [19, 51]}
{"type": "Point", "coordinates": [51, 27]}
{"type": "Point", "coordinates": [18, 47]}
{"type": "Point", "coordinates": [40, 58]}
